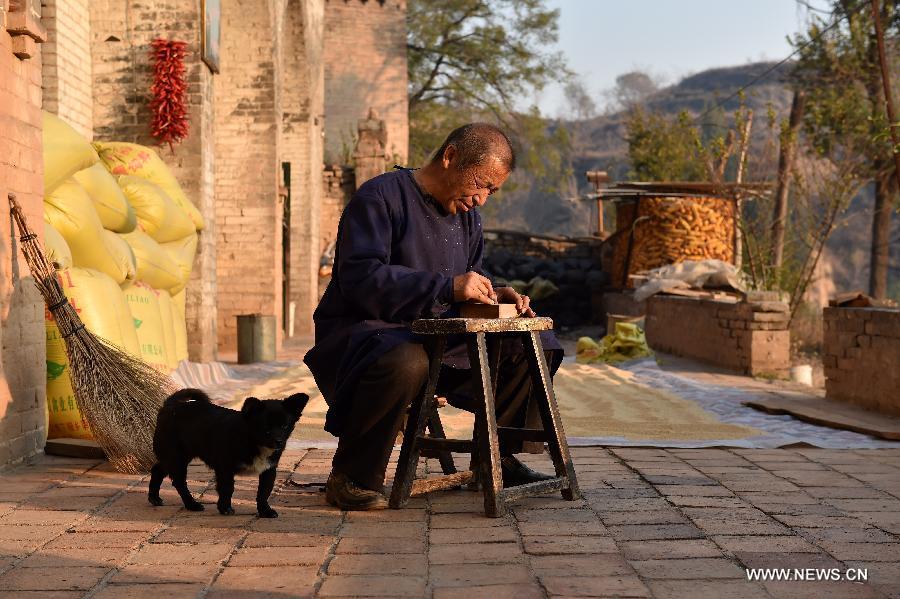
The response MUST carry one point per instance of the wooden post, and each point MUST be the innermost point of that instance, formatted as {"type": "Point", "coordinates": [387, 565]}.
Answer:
{"type": "Point", "coordinates": [598, 179]}
{"type": "Point", "coordinates": [881, 217]}
{"type": "Point", "coordinates": [888, 94]}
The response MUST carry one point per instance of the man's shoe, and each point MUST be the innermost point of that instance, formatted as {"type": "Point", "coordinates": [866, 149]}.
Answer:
{"type": "Point", "coordinates": [516, 473]}
{"type": "Point", "coordinates": [343, 493]}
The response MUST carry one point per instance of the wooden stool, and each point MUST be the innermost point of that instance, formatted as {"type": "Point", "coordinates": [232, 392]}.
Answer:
{"type": "Point", "coordinates": [482, 337]}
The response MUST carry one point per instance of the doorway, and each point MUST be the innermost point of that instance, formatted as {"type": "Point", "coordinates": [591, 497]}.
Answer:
{"type": "Point", "coordinates": [285, 193]}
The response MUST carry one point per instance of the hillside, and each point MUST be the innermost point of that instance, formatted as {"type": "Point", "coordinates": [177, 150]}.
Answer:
{"type": "Point", "coordinates": [599, 144]}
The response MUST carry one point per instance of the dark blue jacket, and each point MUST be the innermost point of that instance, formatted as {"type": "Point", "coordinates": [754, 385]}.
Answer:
{"type": "Point", "coordinates": [395, 258]}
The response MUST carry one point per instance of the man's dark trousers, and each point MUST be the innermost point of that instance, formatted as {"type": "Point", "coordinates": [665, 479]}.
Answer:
{"type": "Point", "coordinates": [398, 378]}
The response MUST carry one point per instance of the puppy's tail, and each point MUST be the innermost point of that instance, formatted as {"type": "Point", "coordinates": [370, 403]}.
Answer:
{"type": "Point", "coordinates": [186, 395]}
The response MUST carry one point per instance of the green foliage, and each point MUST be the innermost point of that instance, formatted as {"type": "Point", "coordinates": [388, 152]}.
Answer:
{"type": "Point", "coordinates": [663, 149]}
{"type": "Point", "coordinates": [838, 70]}
{"type": "Point", "coordinates": [476, 60]}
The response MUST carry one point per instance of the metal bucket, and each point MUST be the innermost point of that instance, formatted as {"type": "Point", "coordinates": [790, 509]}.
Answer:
{"type": "Point", "coordinates": [256, 337]}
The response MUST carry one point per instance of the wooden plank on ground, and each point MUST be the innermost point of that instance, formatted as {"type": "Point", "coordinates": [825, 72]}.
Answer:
{"type": "Point", "coordinates": [74, 448]}
{"type": "Point", "coordinates": [831, 413]}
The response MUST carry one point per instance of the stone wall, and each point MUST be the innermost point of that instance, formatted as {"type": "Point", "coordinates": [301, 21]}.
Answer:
{"type": "Point", "coordinates": [67, 63]}
{"type": "Point", "coordinates": [120, 33]}
{"type": "Point", "coordinates": [23, 374]}
{"type": "Point", "coordinates": [365, 67]}
{"type": "Point", "coordinates": [571, 264]}
{"type": "Point", "coordinates": [551, 247]}
{"type": "Point", "coordinates": [862, 357]}
{"type": "Point", "coordinates": [749, 337]}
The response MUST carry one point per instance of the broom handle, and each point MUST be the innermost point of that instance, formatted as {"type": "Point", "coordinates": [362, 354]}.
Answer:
{"type": "Point", "coordinates": [25, 233]}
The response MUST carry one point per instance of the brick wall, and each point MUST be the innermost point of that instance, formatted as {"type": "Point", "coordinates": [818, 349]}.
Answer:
{"type": "Point", "coordinates": [302, 146]}
{"type": "Point", "coordinates": [862, 355]}
{"type": "Point", "coordinates": [365, 67]}
{"type": "Point", "coordinates": [749, 337]}
{"type": "Point", "coordinates": [248, 173]}
{"type": "Point", "coordinates": [67, 63]}
{"type": "Point", "coordinates": [338, 184]}
{"type": "Point", "coordinates": [121, 32]}
{"type": "Point", "coordinates": [23, 393]}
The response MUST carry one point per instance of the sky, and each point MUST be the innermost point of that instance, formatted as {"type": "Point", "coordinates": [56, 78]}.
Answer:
{"type": "Point", "coordinates": [669, 39]}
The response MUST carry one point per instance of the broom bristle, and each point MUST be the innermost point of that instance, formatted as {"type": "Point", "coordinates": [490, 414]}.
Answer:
{"type": "Point", "coordinates": [118, 394]}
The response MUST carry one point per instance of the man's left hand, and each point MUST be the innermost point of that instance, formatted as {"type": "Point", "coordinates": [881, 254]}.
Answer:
{"type": "Point", "coordinates": [508, 295]}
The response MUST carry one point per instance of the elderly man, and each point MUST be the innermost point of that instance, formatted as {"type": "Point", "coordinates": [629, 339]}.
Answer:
{"type": "Point", "coordinates": [409, 245]}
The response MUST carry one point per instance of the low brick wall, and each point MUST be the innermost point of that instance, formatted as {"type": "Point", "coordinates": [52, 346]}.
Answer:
{"type": "Point", "coordinates": [862, 357]}
{"type": "Point", "coordinates": [752, 338]}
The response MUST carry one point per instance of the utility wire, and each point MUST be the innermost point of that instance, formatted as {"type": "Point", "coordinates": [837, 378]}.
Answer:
{"type": "Point", "coordinates": [778, 64]}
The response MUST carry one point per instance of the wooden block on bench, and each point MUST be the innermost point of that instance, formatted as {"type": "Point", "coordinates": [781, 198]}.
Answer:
{"type": "Point", "coordinates": [488, 310]}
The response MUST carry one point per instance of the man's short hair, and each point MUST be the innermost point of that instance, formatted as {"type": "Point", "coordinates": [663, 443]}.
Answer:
{"type": "Point", "coordinates": [475, 143]}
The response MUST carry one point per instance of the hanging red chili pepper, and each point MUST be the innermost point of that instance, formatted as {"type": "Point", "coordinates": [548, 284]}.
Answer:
{"type": "Point", "coordinates": [170, 121]}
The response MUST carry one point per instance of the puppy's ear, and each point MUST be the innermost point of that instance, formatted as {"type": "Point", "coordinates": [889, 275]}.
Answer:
{"type": "Point", "coordinates": [251, 405]}
{"type": "Point", "coordinates": [296, 402]}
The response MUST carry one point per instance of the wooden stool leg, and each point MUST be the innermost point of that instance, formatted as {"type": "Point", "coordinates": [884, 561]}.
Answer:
{"type": "Point", "coordinates": [415, 427]}
{"type": "Point", "coordinates": [493, 353]}
{"type": "Point", "coordinates": [486, 423]}
{"type": "Point", "coordinates": [436, 428]}
{"type": "Point", "coordinates": [542, 391]}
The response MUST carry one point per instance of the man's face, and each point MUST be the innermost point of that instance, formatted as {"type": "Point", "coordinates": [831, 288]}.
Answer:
{"type": "Point", "coordinates": [468, 188]}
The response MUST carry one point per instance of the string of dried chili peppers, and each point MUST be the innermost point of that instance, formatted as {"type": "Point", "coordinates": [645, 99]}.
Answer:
{"type": "Point", "coordinates": [170, 120]}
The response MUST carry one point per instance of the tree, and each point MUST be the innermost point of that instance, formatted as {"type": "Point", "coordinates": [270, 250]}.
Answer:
{"type": "Point", "coordinates": [838, 69]}
{"type": "Point", "coordinates": [661, 149]}
{"type": "Point", "coordinates": [631, 89]}
{"type": "Point", "coordinates": [665, 149]}
{"type": "Point", "coordinates": [580, 105]}
{"type": "Point", "coordinates": [477, 60]}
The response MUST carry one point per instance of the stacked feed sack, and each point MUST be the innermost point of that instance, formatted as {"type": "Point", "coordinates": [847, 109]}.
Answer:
{"type": "Point", "coordinates": [123, 248]}
{"type": "Point", "coordinates": [165, 240]}
{"type": "Point", "coordinates": [91, 262]}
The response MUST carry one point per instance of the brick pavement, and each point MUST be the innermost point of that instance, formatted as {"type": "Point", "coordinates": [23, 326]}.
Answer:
{"type": "Point", "coordinates": [653, 523]}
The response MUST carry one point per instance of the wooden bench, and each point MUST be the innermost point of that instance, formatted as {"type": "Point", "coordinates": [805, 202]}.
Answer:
{"type": "Point", "coordinates": [483, 340]}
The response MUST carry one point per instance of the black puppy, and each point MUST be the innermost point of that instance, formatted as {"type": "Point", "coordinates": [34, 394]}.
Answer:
{"type": "Point", "coordinates": [229, 442]}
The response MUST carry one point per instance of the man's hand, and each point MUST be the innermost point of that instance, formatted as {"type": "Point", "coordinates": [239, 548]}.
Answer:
{"type": "Point", "coordinates": [508, 295]}
{"type": "Point", "coordinates": [473, 287]}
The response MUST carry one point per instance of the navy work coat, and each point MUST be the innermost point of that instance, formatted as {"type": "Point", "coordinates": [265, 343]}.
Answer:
{"type": "Point", "coordinates": [395, 258]}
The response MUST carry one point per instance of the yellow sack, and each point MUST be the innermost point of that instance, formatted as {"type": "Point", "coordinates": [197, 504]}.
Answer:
{"type": "Point", "coordinates": [71, 212]}
{"type": "Point", "coordinates": [182, 252]}
{"type": "Point", "coordinates": [65, 151]}
{"type": "Point", "coordinates": [627, 343]}
{"type": "Point", "coordinates": [63, 416]}
{"type": "Point", "coordinates": [167, 311]}
{"type": "Point", "coordinates": [154, 266]}
{"type": "Point", "coordinates": [178, 312]}
{"type": "Point", "coordinates": [143, 302]}
{"type": "Point", "coordinates": [157, 214]}
{"type": "Point", "coordinates": [113, 209]}
{"type": "Point", "coordinates": [121, 254]}
{"type": "Point", "coordinates": [101, 305]}
{"type": "Point", "coordinates": [123, 158]}
{"type": "Point", "coordinates": [57, 249]}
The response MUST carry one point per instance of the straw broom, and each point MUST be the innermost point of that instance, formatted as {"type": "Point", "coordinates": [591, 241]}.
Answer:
{"type": "Point", "coordinates": [118, 395]}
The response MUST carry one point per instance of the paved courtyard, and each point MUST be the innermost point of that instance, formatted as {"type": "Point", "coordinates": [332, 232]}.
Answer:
{"type": "Point", "coordinates": [653, 523]}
